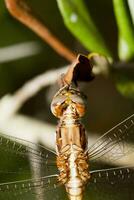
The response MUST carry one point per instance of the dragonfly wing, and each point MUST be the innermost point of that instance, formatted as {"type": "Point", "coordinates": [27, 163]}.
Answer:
{"type": "Point", "coordinates": [113, 144]}
{"type": "Point", "coordinates": [21, 158]}
{"type": "Point", "coordinates": [30, 188]}
{"type": "Point", "coordinates": [109, 184]}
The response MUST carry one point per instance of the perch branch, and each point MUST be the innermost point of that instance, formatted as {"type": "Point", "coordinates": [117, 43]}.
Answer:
{"type": "Point", "coordinates": [18, 51]}
{"type": "Point", "coordinates": [10, 104]}
{"type": "Point", "coordinates": [33, 86]}
{"type": "Point", "coordinates": [22, 11]}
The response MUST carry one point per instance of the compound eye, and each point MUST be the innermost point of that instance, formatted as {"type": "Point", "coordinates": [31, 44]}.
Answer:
{"type": "Point", "coordinates": [57, 105]}
{"type": "Point", "coordinates": [77, 99]}
{"type": "Point", "coordinates": [79, 104]}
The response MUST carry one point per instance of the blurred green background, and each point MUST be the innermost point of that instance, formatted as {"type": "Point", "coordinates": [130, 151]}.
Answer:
{"type": "Point", "coordinates": [110, 99]}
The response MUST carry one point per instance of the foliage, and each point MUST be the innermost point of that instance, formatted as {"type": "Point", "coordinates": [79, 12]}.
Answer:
{"type": "Point", "coordinates": [78, 20]}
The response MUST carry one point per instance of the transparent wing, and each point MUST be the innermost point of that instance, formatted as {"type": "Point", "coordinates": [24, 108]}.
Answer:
{"type": "Point", "coordinates": [29, 189]}
{"type": "Point", "coordinates": [114, 143]}
{"type": "Point", "coordinates": [109, 184]}
{"type": "Point", "coordinates": [23, 159]}
{"type": "Point", "coordinates": [25, 171]}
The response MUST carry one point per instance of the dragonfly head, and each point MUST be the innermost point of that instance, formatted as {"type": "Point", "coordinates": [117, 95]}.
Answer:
{"type": "Point", "coordinates": [68, 97]}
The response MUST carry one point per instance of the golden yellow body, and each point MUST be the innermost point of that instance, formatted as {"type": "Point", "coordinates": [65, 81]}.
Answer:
{"type": "Point", "coordinates": [71, 142]}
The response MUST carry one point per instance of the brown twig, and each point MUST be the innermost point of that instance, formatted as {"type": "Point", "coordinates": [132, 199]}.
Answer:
{"type": "Point", "coordinates": [80, 70]}
{"type": "Point", "coordinates": [22, 11]}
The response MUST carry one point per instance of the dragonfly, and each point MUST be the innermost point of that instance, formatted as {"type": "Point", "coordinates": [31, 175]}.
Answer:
{"type": "Point", "coordinates": [74, 168]}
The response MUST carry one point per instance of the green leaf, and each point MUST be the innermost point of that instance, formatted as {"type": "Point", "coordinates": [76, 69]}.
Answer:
{"type": "Point", "coordinates": [124, 79]}
{"type": "Point", "coordinates": [78, 20]}
{"type": "Point", "coordinates": [2, 9]}
{"type": "Point", "coordinates": [126, 88]}
{"type": "Point", "coordinates": [131, 8]}
{"type": "Point", "coordinates": [125, 50]}
{"type": "Point", "coordinates": [125, 30]}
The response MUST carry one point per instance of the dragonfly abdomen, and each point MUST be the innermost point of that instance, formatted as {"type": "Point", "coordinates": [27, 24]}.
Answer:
{"type": "Point", "coordinates": [74, 172]}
